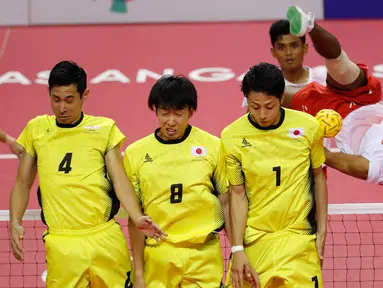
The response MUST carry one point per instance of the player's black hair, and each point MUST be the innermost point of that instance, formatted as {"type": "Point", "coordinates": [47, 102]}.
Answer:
{"type": "Point", "coordinates": [265, 78]}
{"type": "Point", "coordinates": [173, 92]}
{"type": "Point", "coordinates": [66, 73]}
{"type": "Point", "coordinates": [280, 28]}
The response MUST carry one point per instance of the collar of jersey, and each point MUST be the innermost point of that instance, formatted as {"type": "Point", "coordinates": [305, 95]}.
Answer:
{"type": "Point", "coordinates": [70, 125]}
{"type": "Point", "coordinates": [176, 141]}
{"type": "Point", "coordinates": [271, 127]}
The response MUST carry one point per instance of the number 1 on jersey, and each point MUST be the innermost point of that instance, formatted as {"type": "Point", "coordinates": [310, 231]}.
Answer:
{"type": "Point", "coordinates": [277, 170]}
{"type": "Point", "coordinates": [176, 193]}
{"type": "Point", "coordinates": [65, 163]}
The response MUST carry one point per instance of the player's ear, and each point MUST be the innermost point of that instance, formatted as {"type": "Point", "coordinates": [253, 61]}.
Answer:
{"type": "Point", "coordinates": [272, 50]}
{"type": "Point", "coordinates": [191, 112]}
{"type": "Point", "coordinates": [305, 48]}
{"type": "Point", "coordinates": [86, 94]}
{"type": "Point", "coordinates": [282, 98]}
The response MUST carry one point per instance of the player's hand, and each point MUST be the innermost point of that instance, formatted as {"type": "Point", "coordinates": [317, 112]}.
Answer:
{"type": "Point", "coordinates": [15, 147]}
{"type": "Point", "coordinates": [149, 228]}
{"type": "Point", "coordinates": [242, 270]}
{"type": "Point", "coordinates": [17, 235]}
{"type": "Point", "coordinates": [320, 245]}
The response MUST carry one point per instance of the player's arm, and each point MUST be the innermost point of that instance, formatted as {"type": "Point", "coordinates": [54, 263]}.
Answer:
{"type": "Point", "coordinates": [15, 147]}
{"type": "Point", "coordinates": [317, 157]}
{"type": "Point", "coordinates": [125, 193]}
{"type": "Point", "coordinates": [321, 209]}
{"type": "Point", "coordinates": [238, 208]}
{"type": "Point", "coordinates": [222, 187]}
{"type": "Point", "coordinates": [353, 165]}
{"type": "Point", "coordinates": [137, 239]}
{"type": "Point", "coordinates": [26, 175]}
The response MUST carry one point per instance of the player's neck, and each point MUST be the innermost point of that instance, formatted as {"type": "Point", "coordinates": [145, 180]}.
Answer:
{"type": "Point", "coordinates": [296, 76]}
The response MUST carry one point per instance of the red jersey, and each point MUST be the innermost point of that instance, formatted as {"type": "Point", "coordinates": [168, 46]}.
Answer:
{"type": "Point", "coordinates": [315, 97]}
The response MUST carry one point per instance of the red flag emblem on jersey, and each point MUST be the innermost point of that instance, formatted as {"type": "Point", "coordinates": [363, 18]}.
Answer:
{"type": "Point", "coordinates": [296, 132]}
{"type": "Point", "coordinates": [198, 151]}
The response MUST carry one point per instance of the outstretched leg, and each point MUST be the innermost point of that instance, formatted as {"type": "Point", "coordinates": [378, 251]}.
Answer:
{"type": "Point", "coordinates": [344, 74]}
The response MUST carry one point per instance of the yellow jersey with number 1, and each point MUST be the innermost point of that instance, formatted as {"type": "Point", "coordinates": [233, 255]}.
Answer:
{"type": "Point", "coordinates": [74, 189]}
{"type": "Point", "coordinates": [275, 164]}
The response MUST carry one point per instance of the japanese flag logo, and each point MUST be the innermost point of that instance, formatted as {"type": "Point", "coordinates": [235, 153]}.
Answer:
{"type": "Point", "coordinates": [296, 132]}
{"type": "Point", "coordinates": [199, 151]}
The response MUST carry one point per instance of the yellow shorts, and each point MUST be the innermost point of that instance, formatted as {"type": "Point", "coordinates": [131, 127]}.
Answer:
{"type": "Point", "coordinates": [97, 257]}
{"type": "Point", "coordinates": [169, 265]}
{"type": "Point", "coordinates": [287, 261]}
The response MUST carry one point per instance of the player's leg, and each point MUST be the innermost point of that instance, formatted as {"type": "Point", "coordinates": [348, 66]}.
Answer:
{"type": "Point", "coordinates": [67, 261]}
{"type": "Point", "coordinates": [204, 265]}
{"type": "Point", "coordinates": [297, 261]}
{"type": "Point", "coordinates": [111, 265]}
{"type": "Point", "coordinates": [344, 73]}
{"type": "Point", "coordinates": [164, 265]}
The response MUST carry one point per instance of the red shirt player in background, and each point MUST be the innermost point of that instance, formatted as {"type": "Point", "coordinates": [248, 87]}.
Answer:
{"type": "Point", "coordinates": [353, 93]}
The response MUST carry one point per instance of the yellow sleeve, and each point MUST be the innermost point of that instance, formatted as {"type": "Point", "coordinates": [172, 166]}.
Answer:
{"type": "Point", "coordinates": [220, 176]}
{"type": "Point", "coordinates": [233, 166]}
{"type": "Point", "coordinates": [317, 149]}
{"type": "Point", "coordinates": [132, 175]}
{"type": "Point", "coordinates": [26, 139]}
{"type": "Point", "coordinates": [115, 138]}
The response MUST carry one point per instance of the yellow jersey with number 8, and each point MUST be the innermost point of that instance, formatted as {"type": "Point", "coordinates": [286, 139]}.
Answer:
{"type": "Point", "coordinates": [177, 183]}
{"type": "Point", "coordinates": [74, 189]}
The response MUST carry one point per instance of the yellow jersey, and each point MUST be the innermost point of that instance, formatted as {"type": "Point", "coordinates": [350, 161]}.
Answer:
{"type": "Point", "coordinates": [177, 183]}
{"type": "Point", "coordinates": [275, 164]}
{"type": "Point", "coordinates": [74, 189]}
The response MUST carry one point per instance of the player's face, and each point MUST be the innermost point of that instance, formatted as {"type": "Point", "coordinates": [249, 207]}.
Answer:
{"type": "Point", "coordinates": [173, 123]}
{"type": "Point", "coordinates": [66, 103]}
{"type": "Point", "coordinates": [264, 109]}
{"type": "Point", "coordinates": [289, 51]}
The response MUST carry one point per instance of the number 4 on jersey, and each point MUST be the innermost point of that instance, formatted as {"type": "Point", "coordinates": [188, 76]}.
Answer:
{"type": "Point", "coordinates": [65, 165]}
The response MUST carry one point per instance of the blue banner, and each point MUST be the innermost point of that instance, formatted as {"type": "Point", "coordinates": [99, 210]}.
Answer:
{"type": "Point", "coordinates": [346, 9]}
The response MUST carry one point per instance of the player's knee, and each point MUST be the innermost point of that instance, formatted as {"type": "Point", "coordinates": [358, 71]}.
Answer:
{"type": "Point", "coordinates": [342, 69]}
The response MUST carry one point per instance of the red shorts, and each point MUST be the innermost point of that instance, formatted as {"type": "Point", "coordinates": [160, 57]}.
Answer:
{"type": "Point", "coordinates": [315, 97]}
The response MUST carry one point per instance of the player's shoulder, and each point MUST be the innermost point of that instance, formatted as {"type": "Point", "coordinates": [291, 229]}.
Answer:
{"type": "Point", "coordinates": [302, 118]}
{"type": "Point", "coordinates": [44, 120]}
{"type": "Point", "coordinates": [204, 136]}
{"type": "Point", "coordinates": [98, 120]}
{"type": "Point", "coordinates": [237, 125]}
{"type": "Point", "coordinates": [140, 144]}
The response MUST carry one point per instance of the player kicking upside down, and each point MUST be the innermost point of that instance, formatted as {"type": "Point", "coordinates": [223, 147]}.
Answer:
{"type": "Point", "coordinates": [181, 182]}
{"type": "Point", "coordinates": [82, 182]}
{"type": "Point", "coordinates": [278, 194]}
{"type": "Point", "coordinates": [350, 91]}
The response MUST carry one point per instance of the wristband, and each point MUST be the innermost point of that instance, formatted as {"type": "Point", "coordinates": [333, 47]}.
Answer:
{"type": "Point", "coordinates": [236, 248]}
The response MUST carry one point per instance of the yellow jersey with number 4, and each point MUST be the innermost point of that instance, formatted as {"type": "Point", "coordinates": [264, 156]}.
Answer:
{"type": "Point", "coordinates": [74, 189]}
{"type": "Point", "coordinates": [177, 183]}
